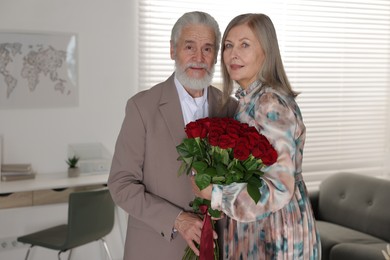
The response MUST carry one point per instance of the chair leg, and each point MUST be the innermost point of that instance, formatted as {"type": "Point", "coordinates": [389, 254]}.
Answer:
{"type": "Point", "coordinates": [60, 252]}
{"type": "Point", "coordinates": [106, 248]}
{"type": "Point", "coordinates": [28, 252]}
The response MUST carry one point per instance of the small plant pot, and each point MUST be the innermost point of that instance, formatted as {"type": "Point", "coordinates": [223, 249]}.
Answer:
{"type": "Point", "coordinates": [73, 172]}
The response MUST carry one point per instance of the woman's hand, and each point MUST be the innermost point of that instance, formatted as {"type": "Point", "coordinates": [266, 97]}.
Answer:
{"type": "Point", "coordinates": [205, 193]}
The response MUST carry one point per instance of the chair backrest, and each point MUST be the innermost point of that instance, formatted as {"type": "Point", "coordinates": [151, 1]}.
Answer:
{"type": "Point", "coordinates": [90, 216]}
{"type": "Point", "coordinates": [356, 201]}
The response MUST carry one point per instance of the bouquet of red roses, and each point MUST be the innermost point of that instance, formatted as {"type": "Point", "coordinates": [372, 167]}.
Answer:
{"type": "Point", "coordinates": [224, 151]}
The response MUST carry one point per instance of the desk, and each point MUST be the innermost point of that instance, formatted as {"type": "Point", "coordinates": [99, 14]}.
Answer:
{"type": "Point", "coordinates": [20, 219]}
{"type": "Point", "coordinates": [42, 189]}
{"type": "Point", "coordinates": [53, 181]}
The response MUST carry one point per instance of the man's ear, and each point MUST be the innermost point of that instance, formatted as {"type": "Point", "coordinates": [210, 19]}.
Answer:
{"type": "Point", "coordinates": [172, 51]}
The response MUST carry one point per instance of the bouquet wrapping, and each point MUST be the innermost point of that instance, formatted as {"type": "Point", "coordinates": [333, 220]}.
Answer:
{"type": "Point", "coordinates": [223, 151]}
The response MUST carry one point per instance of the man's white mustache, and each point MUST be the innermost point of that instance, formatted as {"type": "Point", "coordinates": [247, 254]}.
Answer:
{"type": "Point", "coordinates": [198, 66]}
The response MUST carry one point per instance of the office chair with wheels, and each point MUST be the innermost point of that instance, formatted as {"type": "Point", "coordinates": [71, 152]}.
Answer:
{"type": "Point", "coordinates": [90, 218]}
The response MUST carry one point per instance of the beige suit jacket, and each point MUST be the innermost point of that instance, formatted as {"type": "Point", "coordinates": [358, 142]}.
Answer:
{"type": "Point", "coordinates": [143, 179]}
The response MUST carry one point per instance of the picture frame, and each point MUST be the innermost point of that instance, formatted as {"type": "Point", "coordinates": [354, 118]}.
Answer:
{"type": "Point", "coordinates": [38, 70]}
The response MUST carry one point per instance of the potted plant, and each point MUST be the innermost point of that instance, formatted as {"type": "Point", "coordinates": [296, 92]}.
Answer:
{"type": "Point", "coordinates": [73, 169]}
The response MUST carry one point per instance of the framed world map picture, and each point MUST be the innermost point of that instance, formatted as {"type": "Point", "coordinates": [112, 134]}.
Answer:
{"type": "Point", "coordinates": [38, 70]}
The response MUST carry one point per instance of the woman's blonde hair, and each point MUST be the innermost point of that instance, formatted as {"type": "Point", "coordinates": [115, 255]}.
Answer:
{"type": "Point", "coordinates": [272, 73]}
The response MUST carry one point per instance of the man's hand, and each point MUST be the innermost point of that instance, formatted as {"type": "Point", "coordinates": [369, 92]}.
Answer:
{"type": "Point", "coordinates": [189, 226]}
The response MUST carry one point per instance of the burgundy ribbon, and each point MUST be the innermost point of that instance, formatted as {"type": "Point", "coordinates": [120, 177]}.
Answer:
{"type": "Point", "coordinates": [206, 239]}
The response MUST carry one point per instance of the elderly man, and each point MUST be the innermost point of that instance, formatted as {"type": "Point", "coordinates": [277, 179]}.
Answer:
{"type": "Point", "coordinates": [143, 178]}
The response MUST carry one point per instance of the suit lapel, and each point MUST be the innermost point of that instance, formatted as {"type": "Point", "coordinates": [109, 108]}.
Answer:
{"type": "Point", "coordinates": [214, 101]}
{"type": "Point", "coordinates": [171, 112]}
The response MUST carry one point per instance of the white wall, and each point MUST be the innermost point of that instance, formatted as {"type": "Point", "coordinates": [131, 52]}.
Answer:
{"type": "Point", "coordinates": [107, 78]}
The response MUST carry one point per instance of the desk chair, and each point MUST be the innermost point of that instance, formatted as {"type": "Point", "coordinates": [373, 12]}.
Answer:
{"type": "Point", "coordinates": [90, 218]}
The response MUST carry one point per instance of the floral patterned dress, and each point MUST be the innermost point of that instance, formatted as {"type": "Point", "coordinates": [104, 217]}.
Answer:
{"type": "Point", "coordinates": [281, 225]}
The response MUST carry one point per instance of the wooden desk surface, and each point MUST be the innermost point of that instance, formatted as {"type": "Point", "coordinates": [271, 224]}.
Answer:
{"type": "Point", "coordinates": [53, 181]}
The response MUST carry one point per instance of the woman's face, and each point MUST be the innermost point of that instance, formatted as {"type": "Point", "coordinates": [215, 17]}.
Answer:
{"type": "Point", "coordinates": [243, 55]}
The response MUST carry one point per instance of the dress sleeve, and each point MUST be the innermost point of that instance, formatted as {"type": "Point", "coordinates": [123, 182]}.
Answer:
{"type": "Point", "coordinates": [275, 119]}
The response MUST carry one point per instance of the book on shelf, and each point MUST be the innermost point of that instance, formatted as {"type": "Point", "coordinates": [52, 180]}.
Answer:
{"type": "Point", "coordinates": [16, 173]}
{"type": "Point", "coordinates": [16, 167]}
{"type": "Point", "coordinates": [13, 172]}
{"type": "Point", "coordinates": [17, 177]}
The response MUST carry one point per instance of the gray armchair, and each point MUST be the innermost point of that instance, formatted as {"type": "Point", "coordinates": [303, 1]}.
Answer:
{"type": "Point", "coordinates": [353, 216]}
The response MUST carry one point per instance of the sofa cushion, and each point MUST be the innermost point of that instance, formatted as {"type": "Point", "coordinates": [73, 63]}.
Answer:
{"type": "Point", "coordinates": [358, 251]}
{"type": "Point", "coordinates": [357, 202]}
{"type": "Point", "coordinates": [333, 234]}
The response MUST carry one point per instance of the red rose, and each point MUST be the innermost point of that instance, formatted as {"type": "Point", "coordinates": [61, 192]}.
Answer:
{"type": "Point", "coordinates": [194, 129]}
{"type": "Point", "coordinates": [244, 127]}
{"type": "Point", "coordinates": [243, 141]}
{"type": "Point", "coordinates": [223, 122]}
{"type": "Point", "coordinates": [253, 138]}
{"type": "Point", "coordinates": [233, 129]}
{"type": "Point", "coordinates": [213, 138]}
{"type": "Point", "coordinates": [270, 157]}
{"type": "Point", "coordinates": [205, 122]}
{"type": "Point", "coordinates": [235, 122]}
{"type": "Point", "coordinates": [234, 137]}
{"type": "Point", "coordinates": [263, 150]}
{"type": "Point", "coordinates": [259, 150]}
{"type": "Point", "coordinates": [216, 129]}
{"type": "Point", "coordinates": [241, 152]}
{"type": "Point", "coordinates": [225, 142]}
{"type": "Point", "coordinates": [251, 129]}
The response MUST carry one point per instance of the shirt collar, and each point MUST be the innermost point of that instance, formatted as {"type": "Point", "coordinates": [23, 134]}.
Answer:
{"type": "Point", "coordinates": [243, 92]}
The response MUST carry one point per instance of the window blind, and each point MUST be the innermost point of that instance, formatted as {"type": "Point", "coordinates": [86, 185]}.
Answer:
{"type": "Point", "coordinates": [336, 53]}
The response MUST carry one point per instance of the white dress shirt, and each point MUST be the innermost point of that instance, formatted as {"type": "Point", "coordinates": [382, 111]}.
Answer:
{"type": "Point", "coordinates": [193, 108]}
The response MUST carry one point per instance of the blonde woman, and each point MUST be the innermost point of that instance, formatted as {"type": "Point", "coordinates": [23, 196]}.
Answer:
{"type": "Point", "coordinates": [281, 225]}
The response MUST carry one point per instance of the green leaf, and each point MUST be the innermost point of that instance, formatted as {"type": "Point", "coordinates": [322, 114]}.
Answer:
{"type": "Point", "coordinates": [258, 173]}
{"type": "Point", "coordinates": [255, 180]}
{"type": "Point", "coordinates": [182, 150]}
{"type": "Point", "coordinates": [192, 147]}
{"type": "Point", "coordinates": [253, 188]}
{"type": "Point", "coordinates": [247, 176]}
{"type": "Point", "coordinates": [225, 156]}
{"type": "Point", "coordinates": [202, 180]}
{"type": "Point", "coordinates": [217, 156]}
{"type": "Point", "coordinates": [214, 213]}
{"type": "Point", "coordinates": [251, 164]}
{"type": "Point", "coordinates": [238, 167]}
{"type": "Point", "coordinates": [229, 179]}
{"type": "Point", "coordinates": [199, 166]}
{"type": "Point", "coordinates": [238, 176]}
{"type": "Point", "coordinates": [183, 169]}
{"type": "Point", "coordinates": [203, 147]}
{"type": "Point", "coordinates": [196, 203]}
{"type": "Point", "coordinates": [188, 160]}
{"type": "Point", "coordinates": [211, 171]}
{"type": "Point", "coordinates": [236, 171]}
{"type": "Point", "coordinates": [253, 191]}
{"type": "Point", "coordinates": [221, 169]}
{"type": "Point", "coordinates": [218, 179]}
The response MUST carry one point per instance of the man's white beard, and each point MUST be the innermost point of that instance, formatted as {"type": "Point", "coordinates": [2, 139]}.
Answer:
{"type": "Point", "coordinates": [193, 83]}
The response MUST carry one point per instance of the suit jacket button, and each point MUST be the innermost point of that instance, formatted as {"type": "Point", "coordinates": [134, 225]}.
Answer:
{"type": "Point", "coordinates": [162, 234]}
